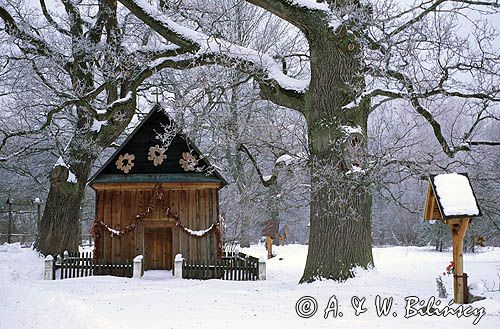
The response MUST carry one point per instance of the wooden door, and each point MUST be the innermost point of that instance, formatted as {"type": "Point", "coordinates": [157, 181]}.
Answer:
{"type": "Point", "coordinates": [158, 248]}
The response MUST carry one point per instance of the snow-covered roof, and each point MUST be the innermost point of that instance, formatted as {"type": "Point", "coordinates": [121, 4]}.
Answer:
{"type": "Point", "coordinates": [454, 195]}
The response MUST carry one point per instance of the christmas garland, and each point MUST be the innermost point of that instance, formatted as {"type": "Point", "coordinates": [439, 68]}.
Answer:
{"type": "Point", "coordinates": [159, 194]}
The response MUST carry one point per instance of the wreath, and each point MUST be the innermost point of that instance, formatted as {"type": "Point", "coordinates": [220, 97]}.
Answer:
{"type": "Point", "coordinates": [125, 162]}
{"type": "Point", "coordinates": [157, 155]}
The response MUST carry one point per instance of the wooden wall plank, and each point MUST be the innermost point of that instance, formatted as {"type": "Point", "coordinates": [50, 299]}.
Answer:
{"type": "Point", "coordinates": [182, 197]}
{"type": "Point", "coordinates": [128, 214]}
{"type": "Point", "coordinates": [204, 219]}
{"type": "Point", "coordinates": [189, 208]}
{"type": "Point", "coordinates": [134, 208]}
{"type": "Point", "coordinates": [210, 238]}
{"type": "Point", "coordinates": [215, 217]}
{"type": "Point", "coordinates": [109, 221]}
{"type": "Point", "coordinates": [198, 222]}
{"type": "Point", "coordinates": [174, 204]}
{"type": "Point", "coordinates": [117, 223]}
{"type": "Point", "coordinates": [212, 243]}
{"type": "Point", "coordinates": [100, 216]}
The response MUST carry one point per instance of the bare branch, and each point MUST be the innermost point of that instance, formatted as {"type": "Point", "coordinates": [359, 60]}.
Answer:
{"type": "Point", "coordinates": [215, 51]}
{"type": "Point", "coordinates": [294, 13]}
{"type": "Point", "coordinates": [266, 183]}
{"type": "Point", "coordinates": [486, 143]}
{"type": "Point", "coordinates": [493, 4]}
{"type": "Point", "coordinates": [75, 19]}
{"type": "Point", "coordinates": [51, 20]}
{"type": "Point", "coordinates": [165, 27]}
{"type": "Point", "coordinates": [48, 121]}
{"type": "Point", "coordinates": [20, 152]}
{"type": "Point", "coordinates": [417, 18]}
{"type": "Point", "coordinates": [37, 44]}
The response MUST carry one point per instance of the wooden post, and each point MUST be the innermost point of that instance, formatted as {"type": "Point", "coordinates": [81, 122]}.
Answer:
{"type": "Point", "coordinates": [458, 229]}
{"type": "Point", "coordinates": [269, 242]}
{"type": "Point", "coordinates": [9, 224]}
{"type": "Point", "coordinates": [38, 214]}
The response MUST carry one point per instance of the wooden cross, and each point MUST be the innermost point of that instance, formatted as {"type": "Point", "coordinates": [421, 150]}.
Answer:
{"type": "Point", "coordinates": [157, 93]}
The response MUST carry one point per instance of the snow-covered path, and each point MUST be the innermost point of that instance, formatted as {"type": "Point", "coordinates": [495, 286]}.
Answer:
{"type": "Point", "coordinates": [160, 301]}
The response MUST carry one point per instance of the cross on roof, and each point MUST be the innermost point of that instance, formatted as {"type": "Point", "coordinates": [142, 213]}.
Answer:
{"type": "Point", "coordinates": [157, 93]}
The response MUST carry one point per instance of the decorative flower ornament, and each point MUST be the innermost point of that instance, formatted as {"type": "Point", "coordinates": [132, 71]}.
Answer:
{"type": "Point", "coordinates": [450, 269]}
{"type": "Point", "coordinates": [157, 155]}
{"type": "Point", "coordinates": [125, 162]}
{"type": "Point", "coordinates": [188, 161]}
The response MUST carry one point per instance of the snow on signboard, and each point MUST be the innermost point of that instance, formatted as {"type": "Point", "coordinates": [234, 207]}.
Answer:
{"type": "Point", "coordinates": [455, 195]}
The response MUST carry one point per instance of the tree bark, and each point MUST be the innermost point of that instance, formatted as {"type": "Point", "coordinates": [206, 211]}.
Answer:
{"type": "Point", "coordinates": [59, 226]}
{"type": "Point", "coordinates": [340, 232]}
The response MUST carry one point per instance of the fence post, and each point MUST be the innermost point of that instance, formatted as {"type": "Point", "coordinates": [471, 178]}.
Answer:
{"type": "Point", "coordinates": [49, 273]}
{"type": "Point", "coordinates": [137, 270]}
{"type": "Point", "coordinates": [9, 224]}
{"type": "Point", "coordinates": [38, 213]}
{"type": "Point", "coordinates": [262, 268]}
{"type": "Point", "coordinates": [178, 266]}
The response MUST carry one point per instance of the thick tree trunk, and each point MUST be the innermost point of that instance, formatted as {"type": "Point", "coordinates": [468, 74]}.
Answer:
{"type": "Point", "coordinates": [60, 221]}
{"type": "Point", "coordinates": [340, 232]}
{"type": "Point", "coordinates": [61, 218]}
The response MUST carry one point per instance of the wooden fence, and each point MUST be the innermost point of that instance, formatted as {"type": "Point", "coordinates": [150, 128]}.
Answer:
{"type": "Point", "coordinates": [232, 266]}
{"type": "Point", "coordinates": [76, 265]}
{"type": "Point", "coordinates": [19, 221]}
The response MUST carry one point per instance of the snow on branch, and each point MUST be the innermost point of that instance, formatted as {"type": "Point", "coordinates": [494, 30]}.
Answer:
{"type": "Point", "coordinates": [115, 107]}
{"type": "Point", "coordinates": [310, 4]}
{"type": "Point", "coordinates": [221, 51]}
{"type": "Point", "coordinates": [71, 176]}
{"type": "Point", "coordinates": [350, 130]}
{"type": "Point", "coordinates": [369, 94]}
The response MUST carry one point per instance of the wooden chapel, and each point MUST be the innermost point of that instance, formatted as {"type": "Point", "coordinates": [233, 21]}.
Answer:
{"type": "Point", "coordinates": [157, 196]}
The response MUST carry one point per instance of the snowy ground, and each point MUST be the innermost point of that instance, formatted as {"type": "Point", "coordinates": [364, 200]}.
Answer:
{"type": "Point", "coordinates": [159, 301]}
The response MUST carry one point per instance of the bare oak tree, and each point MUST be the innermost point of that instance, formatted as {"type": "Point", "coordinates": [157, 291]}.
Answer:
{"type": "Point", "coordinates": [358, 53]}
{"type": "Point", "coordinates": [79, 61]}
{"type": "Point", "coordinates": [361, 55]}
